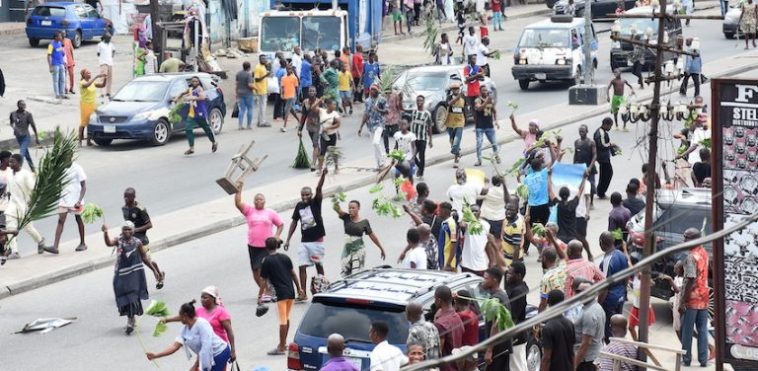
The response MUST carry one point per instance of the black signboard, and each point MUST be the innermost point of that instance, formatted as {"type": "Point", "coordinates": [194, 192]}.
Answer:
{"type": "Point", "coordinates": [735, 195]}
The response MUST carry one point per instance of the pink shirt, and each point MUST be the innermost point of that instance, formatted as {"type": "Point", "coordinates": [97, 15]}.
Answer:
{"type": "Point", "coordinates": [529, 139]}
{"type": "Point", "coordinates": [260, 225]}
{"type": "Point", "coordinates": [215, 317]}
{"type": "Point", "coordinates": [581, 268]}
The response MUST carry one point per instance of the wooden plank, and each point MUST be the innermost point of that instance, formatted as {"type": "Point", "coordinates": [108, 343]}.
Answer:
{"type": "Point", "coordinates": [649, 346]}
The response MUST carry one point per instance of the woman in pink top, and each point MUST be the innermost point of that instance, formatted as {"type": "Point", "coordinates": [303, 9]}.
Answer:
{"type": "Point", "coordinates": [260, 226]}
{"type": "Point", "coordinates": [529, 136]}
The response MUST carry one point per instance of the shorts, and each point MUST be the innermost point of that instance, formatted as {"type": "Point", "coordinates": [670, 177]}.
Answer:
{"type": "Point", "coordinates": [346, 94]}
{"type": "Point", "coordinates": [65, 210]}
{"type": "Point", "coordinates": [283, 309]}
{"type": "Point", "coordinates": [314, 135]}
{"type": "Point", "coordinates": [288, 104]}
{"type": "Point", "coordinates": [616, 102]}
{"type": "Point", "coordinates": [397, 16]}
{"type": "Point", "coordinates": [256, 255]}
{"type": "Point", "coordinates": [496, 228]}
{"type": "Point", "coordinates": [326, 143]}
{"type": "Point", "coordinates": [310, 253]}
{"type": "Point", "coordinates": [634, 317]}
{"type": "Point", "coordinates": [540, 213]}
{"type": "Point", "coordinates": [581, 227]}
{"type": "Point", "coordinates": [86, 111]}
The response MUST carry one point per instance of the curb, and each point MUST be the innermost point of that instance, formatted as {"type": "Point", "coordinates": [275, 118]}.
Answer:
{"type": "Point", "coordinates": [228, 223]}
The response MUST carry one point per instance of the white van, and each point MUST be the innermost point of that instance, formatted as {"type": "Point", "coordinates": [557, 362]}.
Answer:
{"type": "Point", "coordinates": [552, 49]}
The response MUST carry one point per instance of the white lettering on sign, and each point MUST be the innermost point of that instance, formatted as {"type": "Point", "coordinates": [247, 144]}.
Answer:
{"type": "Point", "coordinates": [745, 92]}
{"type": "Point", "coordinates": [745, 114]}
{"type": "Point", "coordinates": [743, 352]}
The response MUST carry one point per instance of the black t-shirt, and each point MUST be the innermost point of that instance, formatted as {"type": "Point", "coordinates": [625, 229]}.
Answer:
{"type": "Point", "coordinates": [434, 222]}
{"type": "Point", "coordinates": [567, 219]}
{"type": "Point", "coordinates": [484, 117]}
{"type": "Point", "coordinates": [701, 170]}
{"type": "Point", "coordinates": [517, 296]}
{"type": "Point", "coordinates": [558, 335]}
{"type": "Point", "coordinates": [603, 153]}
{"type": "Point", "coordinates": [277, 270]}
{"type": "Point", "coordinates": [635, 205]}
{"type": "Point", "coordinates": [504, 349]}
{"type": "Point", "coordinates": [137, 215]}
{"type": "Point", "coordinates": [311, 223]}
{"type": "Point", "coordinates": [356, 229]}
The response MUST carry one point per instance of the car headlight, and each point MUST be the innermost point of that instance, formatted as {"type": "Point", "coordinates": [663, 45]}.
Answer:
{"type": "Point", "coordinates": [151, 115]}
{"type": "Point", "coordinates": [560, 61]}
{"type": "Point", "coordinates": [522, 61]}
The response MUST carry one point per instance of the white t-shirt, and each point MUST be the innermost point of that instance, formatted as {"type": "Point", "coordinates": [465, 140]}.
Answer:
{"type": "Point", "coordinates": [405, 143]}
{"type": "Point", "coordinates": [581, 207]}
{"type": "Point", "coordinates": [386, 357]}
{"type": "Point", "coordinates": [474, 256]}
{"type": "Point", "coordinates": [5, 178]}
{"type": "Point", "coordinates": [481, 58]}
{"type": "Point", "coordinates": [327, 120]}
{"type": "Point", "coordinates": [297, 62]}
{"type": "Point", "coordinates": [105, 53]}
{"type": "Point", "coordinates": [75, 175]}
{"type": "Point", "coordinates": [697, 136]}
{"type": "Point", "coordinates": [470, 44]}
{"type": "Point", "coordinates": [493, 205]}
{"type": "Point", "coordinates": [151, 63]}
{"type": "Point", "coordinates": [460, 193]}
{"type": "Point", "coordinates": [417, 255]}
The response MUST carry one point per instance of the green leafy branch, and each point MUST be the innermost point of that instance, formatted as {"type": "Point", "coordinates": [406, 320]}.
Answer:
{"type": "Point", "coordinates": [538, 230]}
{"type": "Point", "coordinates": [92, 213]}
{"type": "Point", "coordinates": [617, 234]}
{"type": "Point", "coordinates": [493, 310]}
{"type": "Point", "coordinates": [473, 225]}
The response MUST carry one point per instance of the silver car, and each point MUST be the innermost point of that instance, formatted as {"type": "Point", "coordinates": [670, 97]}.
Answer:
{"type": "Point", "coordinates": [433, 82]}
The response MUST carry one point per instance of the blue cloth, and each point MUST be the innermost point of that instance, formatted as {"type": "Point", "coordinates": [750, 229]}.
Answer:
{"type": "Point", "coordinates": [694, 64]}
{"type": "Point", "coordinates": [279, 74]}
{"type": "Point", "coordinates": [480, 134]}
{"type": "Point", "coordinates": [245, 110]}
{"type": "Point", "coordinates": [306, 79]}
{"type": "Point", "coordinates": [617, 291]}
{"type": "Point", "coordinates": [536, 183]}
{"type": "Point", "coordinates": [201, 109]}
{"type": "Point", "coordinates": [57, 55]}
{"type": "Point", "coordinates": [59, 80]}
{"type": "Point", "coordinates": [23, 144]}
{"type": "Point", "coordinates": [690, 319]}
{"type": "Point", "coordinates": [220, 360]}
{"type": "Point", "coordinates": [370, 72]}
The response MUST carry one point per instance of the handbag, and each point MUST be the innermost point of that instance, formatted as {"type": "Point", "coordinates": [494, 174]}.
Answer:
{"type": "Point", "coordinates": [236, 110]}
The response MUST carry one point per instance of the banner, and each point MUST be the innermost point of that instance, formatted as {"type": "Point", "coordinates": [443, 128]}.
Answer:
{"type": "Point", "coordinates": [735, 192]}
{"type": "Point", "coordinates": [566, 175]}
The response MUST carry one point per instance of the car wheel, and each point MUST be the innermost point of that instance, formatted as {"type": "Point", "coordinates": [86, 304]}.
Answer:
{"type": "Point", "coordinates": [729, 35]}
{"type": "Point", "coordinates": [440, 117]}
{"type": "Point", "coordinates": [216, 120]}
{"type": "Point", "coordinates": [33, 43]}
{"type": "Point", "coordinates": [533, 356]}
{"type": "Point", "coordinates": [77, 41]}
{"type": "Point", "coordinates": [523, 84]}
{"type": "Point", "coordinates": [161, 132]}
{"type": "Point", "coordinates": [103, 142]}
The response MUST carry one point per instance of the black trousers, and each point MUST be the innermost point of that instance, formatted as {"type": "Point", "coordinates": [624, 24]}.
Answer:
{"type": "Point", "coordinates": [637, 71]}
{"type": "Point", "coordinates": [278, 106]}
{"type": "Point", "coordinates": [695, 79]}
{"type": "Point", "coordinates": [606, 174]}
{"type": "Point", "coordinates": [389, 132]}
{"type": "Point", "coordinates": [420, 157]}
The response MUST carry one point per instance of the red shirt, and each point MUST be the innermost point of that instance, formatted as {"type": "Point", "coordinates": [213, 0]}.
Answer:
{"type": "Point", "coordinates": [496, 6]}
{"type": "Point", "coordinates": [483, 32]}
{"type": "Point", "coordinates": [472, 88]}
{"type": "Point", "coordinates": [357, 65]}
{"type": "Point", "coordinates": [450, 328]}
{"type": "Point", "coordinates": [470, 327]}
{"type": "Point", "coordinates": [696, 267]}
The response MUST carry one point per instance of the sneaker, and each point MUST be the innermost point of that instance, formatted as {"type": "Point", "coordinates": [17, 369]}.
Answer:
{"type": "Point", "coordinates": [14, 256]}
{"type": "Point", "coordinates": [283, 130]}
{"type": "Point", "coordinates": [129, 329]}
{"type": "Point", "coordinates": [266, 298]}
{"type": "Point", "coordinates": [81, 247]}
{"type": "Point", "coordinates": [478, 163]}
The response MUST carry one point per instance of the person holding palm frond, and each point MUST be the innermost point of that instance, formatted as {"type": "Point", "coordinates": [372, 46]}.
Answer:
{"type": "Point", "coordinates": [20, 186]}
{"type": "Point", "coordinates": [71, 201]}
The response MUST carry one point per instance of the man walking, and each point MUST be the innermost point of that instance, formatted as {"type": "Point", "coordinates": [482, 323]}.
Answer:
{"type": "Point", "coordinates": [308, 213]}
{"type": "Point", "coordinates": [612, 299]}
{"type": "Point", "coordinates": [68, 47]}
{"type": "Point", "coordinates": [20, 186]}
{"type": "Point", "coordinates": [448, 323]}
{"type": "Point", "coordinates": [244, 91]}
{"type": "Point", "coordinates": [421, 126]}
{"type": "Point", "coordinates": [277, 272]}
{"type": "Point", "coordinates": [105, 52]}
{"type": "Point", "coordinates": [71, 202]}
{"type": "Point", "coordinates": [56, 61]}
{"type": "Point", "coordinates": [557, 339]}
{"type": "Point", "coordinates": [585, 152]}
{"type": "Point", "coordinates": [604, 151]}
{"type": "Point", "coordinates": [517, 291]}
{"type": "Point", "coordinates": [373, 119]}
{"type": "Point", "coordinates": [260, 90]}
{"type": "Point", "coordinates": [21, 121]}
{"type": "Point", "coordinates": [260, 226]}
{"type": "Point", "coordinates": [486, 123]}
{"type": "Point", "coordinates": [473, 74]}
{"type": "Point", "coordinates": [356, 68]}
{"type": "Point", "coordinates": [456, 120]}
{"type": "Point", "coordinates": [137, 214]}
{"type": "Point", "coordinates": [618, 84]}
{"type": "Point", "coordinates": [588, 330]}
{"type": "Point", "coordinates": [692, 69]}
{"type": "Point", "coordinates": [335, 346]}
{"type": "Point", "coordinates": [497, 357]}
{"type": "Point", "coordinates": [693, 305]}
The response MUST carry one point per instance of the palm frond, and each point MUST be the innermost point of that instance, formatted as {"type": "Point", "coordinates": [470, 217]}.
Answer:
{"type": "Point", "coordinates": [51, 178]}
{"type": "Point", "coordinates": [388, 76]}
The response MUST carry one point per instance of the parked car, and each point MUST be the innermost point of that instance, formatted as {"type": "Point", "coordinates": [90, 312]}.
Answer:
{"type": "Point", "coordinates": [552, 49]}
{"type": "Point", "coordinates": [674, 212]}
{"type": "Point", "coordinates": [349, 306]}
{"type": "Point", "coordinates": [79, 20]}
{"type": "Point", "coordinates": [140, 109]}
{"type": "Point", "coordinates": [433, 82]}
{"type": "Point", "coordinates": [731, 26]}
{"type": "Point", "coordinates": [600, 8]}
{"type": "Point", "coordinates": [621, 51]}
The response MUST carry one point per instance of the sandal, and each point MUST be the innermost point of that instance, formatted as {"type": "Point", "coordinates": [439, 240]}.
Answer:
{"type": "Point", "coordinates": [214, 147]}
{"type": "Point", "coordinates": [189, 152]}
{"type": "Point", "coordinates": [159, 285]}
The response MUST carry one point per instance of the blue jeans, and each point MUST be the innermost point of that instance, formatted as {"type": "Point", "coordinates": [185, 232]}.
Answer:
{"type": "Point", "coordinates": [691, 319]}
{"type": "Point", "coordinates": [455, 135]}
{"type": "Point", "coordinates": [497, 21]}
{"type": "Point", "coordinates": [480, 133]}
{"type": "Point", "coordinates": [23, 145]}
{"type": "Point", "coordinates": [245, 103]}
{"type": "Point", "coordinates": [59, 80]}
{"type": "Point", "coordinates": [220, 360]}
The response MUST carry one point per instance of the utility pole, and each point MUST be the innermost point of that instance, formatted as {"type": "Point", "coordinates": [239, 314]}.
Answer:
{"type": "Point", "coordinates": [155, 11]}
{"type": "Point", "coordinates": [588, 36]}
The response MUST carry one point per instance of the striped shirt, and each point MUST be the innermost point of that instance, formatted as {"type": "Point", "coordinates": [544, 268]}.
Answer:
{"type": "Point", "coordinates": [619, 349]}
{"type": "Point", "coordinates": [421, 121]}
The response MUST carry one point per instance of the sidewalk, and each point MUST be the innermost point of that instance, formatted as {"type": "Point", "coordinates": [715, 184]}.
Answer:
{"type": "Point", "coordinates": [218, 215]}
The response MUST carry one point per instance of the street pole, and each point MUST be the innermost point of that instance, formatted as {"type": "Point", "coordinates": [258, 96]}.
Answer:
{"type": "Point", "coordinates": [156, 31]}
{"type": "Point", "coordinates": [587, 45]}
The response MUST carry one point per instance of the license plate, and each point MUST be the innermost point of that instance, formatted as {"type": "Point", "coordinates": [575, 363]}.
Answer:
{"type": "Point", "coordinates": [109, 129]}
{"type": "Point", "coordinates": [540, 76]}
{"type": "Point", "coordinates": [355, 362]}
{"type": "Point", "coordinates": [46, 23]}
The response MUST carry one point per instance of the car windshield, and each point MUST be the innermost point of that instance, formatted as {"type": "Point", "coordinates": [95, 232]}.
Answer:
{"type": "Point", "coordinates": [142, 91]}
{"type": "Point", "coordinates": [675, 220]}
{"type": "Point", "coordinates": [544, 38]}
{"type": "Point", "coordinates": [321, 32]}
{"type": "Point", "coordinates": [279, 33]}
{"type": "Point", "coordinates": [422, 81]}
{"type": "Point", "coordinates": [49, 11]}
{"type": "Point", "coordinates": [640, 24]}
{"type": "Point", "coordinates": [352, 322]}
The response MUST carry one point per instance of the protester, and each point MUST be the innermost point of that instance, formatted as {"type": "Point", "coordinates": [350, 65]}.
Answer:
{"type": "Point", "coordinates": [330, 122]}
{"type": "Point", "coordinates": [309, 118]}
{"type": "Point", "coordinates": [21, 120]}
{"type": "Point", "coordinates": [421, 126]}
{"type": "Point", "coordinates": [373, 119]}
{"type": "Point", "coordinates": [392, 117]}
{"type": "Point", "coordinates": [702, 169]}
{"type": "Point", "coordinates": [448, 323]}
{"type": "Point", "coordinates": [88, 88]}
{"type": "Point", "coordinates": [448, 238]}
{"type": "Point", "coordinates": [354, 253]}
{"type": "Point", "coordinates": [585, 152]}
{"type": "Point", "coordinates": [198, 337]}
{"type": "Point", "coordinates": [633, 203]}
{"type": "Point", "coordinates": [554, 276]}
{"type": "Point", "coordinates": [558, 339]}
{"type": "Point", "coordinates": [245, 88]}
{"type": "Point", "coordinates": [384, 357]}
{"type": "Point", "coordinates": [137, 214]}
{"type": "Point", "coordinates": [416, 354]}
{"type": "Point", "coordinates": [306, 77]}
{"type": "Point", "coordinates": [693, 68]}
{"type": "Point", "coordinates": [273, 84]}
{"type": "Point", "coordinates": [106, 50]}
{"type": "Point", "coordinates": [197, 115]}
{"type": "Point", "coordinates": [260, 226]}
{"type": "Point", "coordinates": [529, 136]}
{"type": "Point", "coordinates": [409, 14]}
{"type": "Point", "coordinates": [517, 291]}
{"type": "Point", "coordinates": [288, 96]}
{"type": "Point", "coordinates": [565, 208]}
{"type": "Point", "coordinates": [472, 74]}
{"type": "Point", "coordinates": [470, 44]}
{"type": "Point", "coordinates": [330, 80]}
{"type": "Point", "coordinates": [494, 200]}
{"type": "Point", "coordinates": [20, 187]}
{"type": "Point", "coordinates": [483, 53]}
{"type": "Point", "coordinates": [277, 273]}
{"type": "Point", "coordinates": [463, 302]}
{"type": "Point", "coordinates": [538, 200]}
{"type": "Point", "coordinates": [405, 141]}
{"type": "Point", "coordinates": [485, 123]}
{"type": "Point", "coordinates": [356, 70]}
{"type": "Point", "coordinates": [693, 305]}
{"type": "Point", "coordinates": [422, 332]}
{"type": "Point", "coordinates": [456, 120]}
{"type": "Point", "coordinates": [619, 216]}
{"type": "Point", "coordinates": [604, 151]}
{"type": "Point", "coordinates": [414, 256]}
{"type": "Point", "coordinates": [514, 230]}
{"type": "Point", "coordinates": [443, 53]}
{"type": "Point", "coordinates": [371, 72]}
{"type": "Point", "coordinates": [345, 78]}
{"type": "Point", "coordinates": [579, 268]}
{"type": "Point", "coordinates": [308, 213]}
{"type": "Point", "coordinates": [260, 91]}
{"type": "Point", "coordinates": [71, 201]}
{"type": "Point", "coordinates": [496, 356]}
{"type": "Point", "coordinates": [614, 261]}
{"type": "Point", "coordinates": [618, 329]}
{"type": "Point", "coordinates": [637, 59]}
{"type": "Point", "coordinates": [56, 61]}
{"type": "Point", "coordinates": [474, 254]}
{"type": "Point", "coordinates": [68, 47]}
{"type": "Point", "coordinates": [617, 84]}
{"type": "Point", "coordinates": [588, 330]}
{"type": "Point", "coordinates": [129, 282]}
{"type": "Point", "coordinates": [335, 346]}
